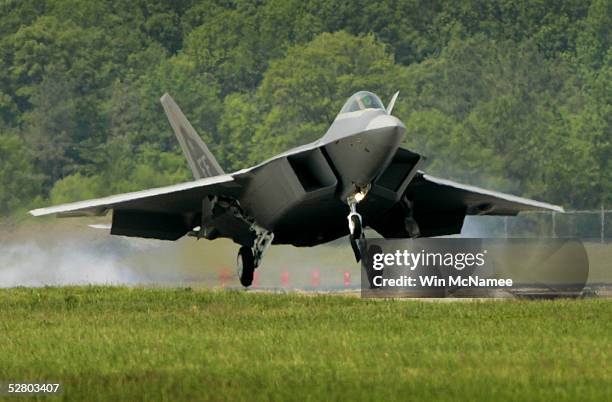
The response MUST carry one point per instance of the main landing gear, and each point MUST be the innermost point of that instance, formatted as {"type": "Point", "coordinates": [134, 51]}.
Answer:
{"type": "Point", "coordinates": [249, 257]}
{"type": "Point", "coordinates": [355, 221]}
{"type": "Point", "coordinates": [245, 265]}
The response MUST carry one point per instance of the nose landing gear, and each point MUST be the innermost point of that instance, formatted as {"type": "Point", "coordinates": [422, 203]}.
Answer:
{"type": "Point", "coordinates": [355, 222]}
{"type": "Point", "coordinates": [355, 225]}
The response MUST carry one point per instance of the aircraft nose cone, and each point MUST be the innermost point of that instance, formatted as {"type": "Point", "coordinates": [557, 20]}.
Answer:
{"type": "Point", "coordinates": [386, 130]}
{"type": "Point", "coordinates": [386, 121]}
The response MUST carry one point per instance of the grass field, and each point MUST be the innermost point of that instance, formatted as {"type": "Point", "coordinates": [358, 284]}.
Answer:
{"type": "Point", "coordinates": [107, 343]}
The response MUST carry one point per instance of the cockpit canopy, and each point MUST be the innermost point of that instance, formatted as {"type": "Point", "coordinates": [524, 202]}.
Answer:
{"type": "Point", "coordinates": [360, 101]}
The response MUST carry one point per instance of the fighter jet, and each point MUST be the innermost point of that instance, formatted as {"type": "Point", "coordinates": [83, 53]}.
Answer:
{"type": "Point", "coordinates": [355, 176]}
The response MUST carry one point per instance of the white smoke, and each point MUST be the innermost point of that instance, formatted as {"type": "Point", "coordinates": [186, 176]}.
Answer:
{"type": "Point", "coordinates": [60, 252]}
{"type": "Point", "coordinates": [72, 263]}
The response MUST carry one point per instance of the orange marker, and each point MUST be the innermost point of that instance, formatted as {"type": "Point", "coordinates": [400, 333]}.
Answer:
{"type": "Point", "coordinates": [285, 279]}
{"type": "Point", "coordinates": [316, 279]}
{"type": "Point", "coordinates": [347, 278]}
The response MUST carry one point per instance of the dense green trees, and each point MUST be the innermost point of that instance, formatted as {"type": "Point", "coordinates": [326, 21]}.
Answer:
{"type": "Point", "coordinates": [515, 95]}
{"type": "Point", "coordinates": [301, 93]}
{"type": "Point", "coordinates": [19, 182]}
{"type": "Point", "coordinates": [504, 110]}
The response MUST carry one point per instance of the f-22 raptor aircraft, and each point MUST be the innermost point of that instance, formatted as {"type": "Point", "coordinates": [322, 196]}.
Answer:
{"type": "Point", "coordinates": [353, 177]}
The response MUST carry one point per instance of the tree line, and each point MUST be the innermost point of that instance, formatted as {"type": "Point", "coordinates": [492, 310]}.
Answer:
{"type": "Point", "coordinates": [511, 95]}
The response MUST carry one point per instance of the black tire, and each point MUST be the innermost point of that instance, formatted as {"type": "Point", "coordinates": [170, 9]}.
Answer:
{"type": "Point", "coordinates": [246, 266]}
{"type": "Point", "coordinates": [358, 231]}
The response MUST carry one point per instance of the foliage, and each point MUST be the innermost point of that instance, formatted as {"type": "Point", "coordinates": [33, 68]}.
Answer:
{"type": "Point", "coordinates": [19, 182]}
{"type": "Point", "coordinates": [513, 95]}
{"type": "Point", "coordinates": [301, 93]}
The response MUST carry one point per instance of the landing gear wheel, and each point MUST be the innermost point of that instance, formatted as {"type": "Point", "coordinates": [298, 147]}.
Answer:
{"type": "Point", "coordinates": [246, 266]}
{"type": "Point", "coordinates": [356, 234]}
{"type": "Point", "coordinates": [355, 226]}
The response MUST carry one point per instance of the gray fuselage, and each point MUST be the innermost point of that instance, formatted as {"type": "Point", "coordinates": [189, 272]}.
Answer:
{"type": "Point", "coordinates": [316, 179]}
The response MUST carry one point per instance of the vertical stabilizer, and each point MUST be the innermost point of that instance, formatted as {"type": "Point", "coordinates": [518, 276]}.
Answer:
{"type": "Point", "coordinates": [201, 161]}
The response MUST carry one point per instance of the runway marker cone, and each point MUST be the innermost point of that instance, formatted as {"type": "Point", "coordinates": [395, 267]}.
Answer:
{"type": "Point", "coordinates": [347, 278]}
{"type": "Point", "coordinates": [224, 276]}
{"type": "Point", "coordinates": [316, 279]}
{"type": "Point", "coordinates": [285, 279]}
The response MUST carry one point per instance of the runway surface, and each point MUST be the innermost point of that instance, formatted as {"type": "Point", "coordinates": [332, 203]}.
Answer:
{"type": "Point", "coordinates": [591, 291]}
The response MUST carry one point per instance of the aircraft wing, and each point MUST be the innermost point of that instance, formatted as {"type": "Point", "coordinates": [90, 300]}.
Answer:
{"type": "Point", "coordinates": [439, 207]}
{"type": "Point", "coordinates": [445, 194]}
{"type": "Point", "coordinates": [166, 213]}
{"type": "Point", "coordinates": [169, 199]}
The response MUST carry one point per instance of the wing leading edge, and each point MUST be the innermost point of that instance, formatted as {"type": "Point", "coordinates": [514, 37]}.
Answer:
{"type": "Point", "coordinates": [447, 194]}
{"type": "Point", "coordinates": [169, 199]}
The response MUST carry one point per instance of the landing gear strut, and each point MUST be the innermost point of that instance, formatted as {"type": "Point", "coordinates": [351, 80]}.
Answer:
{"type": "Point", "coordinates": [355, 221]}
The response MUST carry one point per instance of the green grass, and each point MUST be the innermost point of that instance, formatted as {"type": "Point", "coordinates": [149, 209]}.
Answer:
{"type": "Point", "coordinates": [106, 343]}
